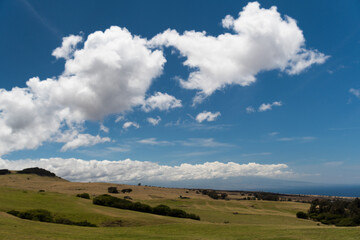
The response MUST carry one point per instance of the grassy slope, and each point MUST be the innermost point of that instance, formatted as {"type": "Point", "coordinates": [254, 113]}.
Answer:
{"type": "Point", "coordinates": [255, 219]}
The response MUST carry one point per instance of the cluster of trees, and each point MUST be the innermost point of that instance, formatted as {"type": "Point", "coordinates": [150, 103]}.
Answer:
{"type": "Point", "coordinates": [4, 171]}
{"type": "Point", "coordinates": [110, 201]}
{"type": "Point", "coordinates": [213, 194]}
{"type": "Point", "coordinates": [37, 171]}
{"type": "Point", "coordinates": [337, 212]}
{"type": "Point", "coordinates": [266, 196]}
{"type": "Point", "coordinates": [46, 216]}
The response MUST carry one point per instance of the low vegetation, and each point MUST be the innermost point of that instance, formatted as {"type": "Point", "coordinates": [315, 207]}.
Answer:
{"type": "Point", "coordinates": [46, 216]}
{"type": "Point", "coordinates": [110, 201]}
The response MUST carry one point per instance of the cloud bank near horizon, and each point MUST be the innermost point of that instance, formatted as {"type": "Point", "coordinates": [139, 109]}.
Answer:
{"type": "Point", "coordinates": [132, 171]}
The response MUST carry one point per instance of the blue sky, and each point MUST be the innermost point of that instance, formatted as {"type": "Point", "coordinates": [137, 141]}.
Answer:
{"type": "Point", "coordinates": [259, 94]}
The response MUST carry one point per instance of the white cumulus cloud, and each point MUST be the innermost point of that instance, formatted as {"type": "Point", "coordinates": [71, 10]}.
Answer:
{"type": "Point", "coordinates": [68, 47]}
{"type": "Point", "coordinates": [268, 106]}
{"type": "Point", "coordinates": [82, 140]}
{"type": "Point", "coordinates": [207, 116]}
{"type": "Point", "coordinates": [261, 40]}
{"type": "Point", "coordinates": [110, 74]}
{"type": "Point", "coordinates": [130, 171]}
{"type": "Point", "coordinates": [161, 101]}
{"type": "Point", "coordinates": [154, 121]}
{"type": "Point", "coordinates": [130, 124]}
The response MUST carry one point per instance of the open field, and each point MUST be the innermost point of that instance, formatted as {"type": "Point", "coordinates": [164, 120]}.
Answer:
{"type": "Point", "coordinates": [220, 219]}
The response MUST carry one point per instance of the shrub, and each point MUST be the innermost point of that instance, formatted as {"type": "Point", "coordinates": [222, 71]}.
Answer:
{"type": "Point", "coordinates": [140, 207]}
{"type": "Point", "coordinates": [162, 210]}
{"type": "Point", "coordinates": [13, 212]}
{"type": "Point", "coordinates": [46, 216]}
{"type": "Point", "coordinates": [36, 215]}
{"type": "Point", "coordinates": [178, 213]}
{"type": "Point", "coordinates": [83, 195]}
{"type": "Point", "coordinates": [302, 215]}
{"type": "Point", "coordinates": [223, 196]}
{"type": "Point", "coordinates": [111, 201]}
{"type": "Point", "coordinates": [126, 190]}
{"type": "Point", "coordinates": [346, 222]}
{"type": "Point", "coordinates": [112, 190]}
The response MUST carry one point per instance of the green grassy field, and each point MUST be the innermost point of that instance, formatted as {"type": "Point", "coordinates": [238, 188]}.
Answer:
{"type": "Point", "coordinates": [252, 219]}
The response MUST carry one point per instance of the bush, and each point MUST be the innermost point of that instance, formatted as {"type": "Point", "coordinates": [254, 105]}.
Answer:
{"type": "Point", "coordinates": [13, 212]}
{"type": "Point", "coordinates": [302, 215]}
{"type": "Point", "coordinates": [37, 171]}
{"type": "Point", "coordinates": [46, 216]}
{"type": "Point", "coordinates": [111, 201]}
{"type": "Point", "coordinates": [223, 196]}
{"type": "Point", "coordinates": [112, 190]}
{"type": "Point", "coordinates": [346, 222]}
{"type": "Point", "coordinates": [83, 195]}
{"type": "Point", "coordinates": [126, 190]}
{"type": "Point", "coordinates": [178, 213]}
{"type": "Point", "coordinates": [36, 215]}
{"type": "Point", "coordinates": [162, 210]}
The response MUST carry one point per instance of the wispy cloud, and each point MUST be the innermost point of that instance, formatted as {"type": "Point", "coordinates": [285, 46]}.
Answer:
{"type": "Point", "coordinates": [130, 124]}
{"type": "Point", "coordinates": [273, 134]}
{"type": "Point", "coordinates": [45, 22]}
{"type": "Point", "coordinates": [154, 121]}
{"type": "Point", "coordinates": [203, 142]}
{"type": "Point", "coordinates": [119, 149]}
{"type": "Point", "coordinates": [153, 141]}
{"type": "Point", "coordinates": [355, 92]}
{"type": "Point", "coordinates": [301, 139]}
{"type": "Point", "coordinates": [256, 154]}
{"type": "Point", "coordinates": [334, 163]}
{"type": "Point", "coordinates": [268, 106]}
{"type": "Point", "coordinates": [264, 107]}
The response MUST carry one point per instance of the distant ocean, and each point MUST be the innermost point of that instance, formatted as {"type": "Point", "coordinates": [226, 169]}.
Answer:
{"type": "Point", "coordinates": [344, 191]}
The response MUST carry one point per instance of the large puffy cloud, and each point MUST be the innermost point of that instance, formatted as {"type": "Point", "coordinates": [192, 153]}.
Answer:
{"type": "Point", "coordinates": [261, 40]}
{"type": "Point", "coordinates": [109, 74]}
{"type": "Point", "coordinates": [130, 170]}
